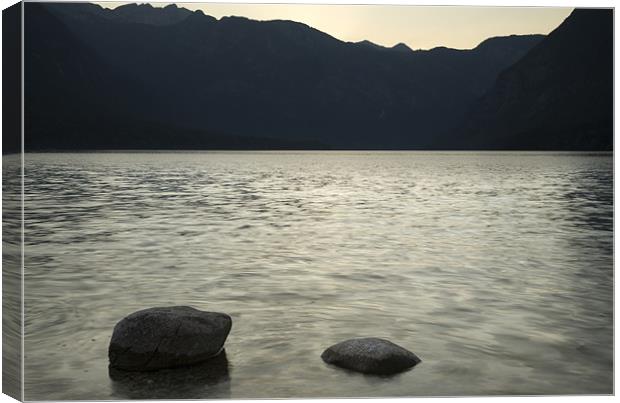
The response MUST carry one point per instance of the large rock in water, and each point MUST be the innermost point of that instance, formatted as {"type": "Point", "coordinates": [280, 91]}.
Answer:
{"type": "Point", "coordinates": [167, 337]}
{"type": "Point", "coordinates": [370, 355]}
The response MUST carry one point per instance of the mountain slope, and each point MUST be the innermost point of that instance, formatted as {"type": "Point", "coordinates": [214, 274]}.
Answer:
{"type": "Point", "coordinates": [558, 97]}
{"type": "Point", "coordinates": [76, 100]}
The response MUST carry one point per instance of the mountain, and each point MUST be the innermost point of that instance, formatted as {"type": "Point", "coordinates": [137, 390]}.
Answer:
{"type": "Point", "coordinates": [107, 78]}
{"type": "Point", "coordinates": [76, 100]}
{"type": "Point", "coordinates": [559, 96]}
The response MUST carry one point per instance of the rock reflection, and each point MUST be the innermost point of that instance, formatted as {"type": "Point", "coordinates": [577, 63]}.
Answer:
{"type": "Point", "coordinates": [206, 380]}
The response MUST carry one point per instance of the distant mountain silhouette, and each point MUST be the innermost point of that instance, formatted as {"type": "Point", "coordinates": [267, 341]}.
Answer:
{"type": "Point", "coordinates": [559, 96]}
{"type": "Point", "coordinates": [146, 77]}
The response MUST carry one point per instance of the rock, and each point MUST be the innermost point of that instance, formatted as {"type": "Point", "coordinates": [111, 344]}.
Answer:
{"type": "Point", "coordinates": [167, 337]}
{"type": "Point", "coordinates": [370, 355]}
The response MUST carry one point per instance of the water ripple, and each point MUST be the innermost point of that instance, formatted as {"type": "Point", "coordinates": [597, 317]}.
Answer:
{"type": "Point", "coordinates": [496, 268]}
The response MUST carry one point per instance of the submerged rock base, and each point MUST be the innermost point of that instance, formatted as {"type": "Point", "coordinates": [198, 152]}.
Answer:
{"type": "Point", "coordinates": [206, 380]}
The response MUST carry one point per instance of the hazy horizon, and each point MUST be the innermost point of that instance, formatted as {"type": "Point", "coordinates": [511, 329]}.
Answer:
{"type": "Point", "coordinates": [419, 27]}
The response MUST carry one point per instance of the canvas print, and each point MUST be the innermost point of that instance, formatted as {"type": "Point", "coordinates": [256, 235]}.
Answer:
{"type": "Point", "coordinates": [236, 201]}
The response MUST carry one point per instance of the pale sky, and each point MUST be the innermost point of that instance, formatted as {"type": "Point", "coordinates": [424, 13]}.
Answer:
{"type": "Point", "coordinates": [420, 27]}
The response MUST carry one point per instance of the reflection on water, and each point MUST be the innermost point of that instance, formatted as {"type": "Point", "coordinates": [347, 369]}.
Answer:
{"type": "Point", "coordinates": [495, 268]}
{"type": "Point", "coordinates": [201, 381]}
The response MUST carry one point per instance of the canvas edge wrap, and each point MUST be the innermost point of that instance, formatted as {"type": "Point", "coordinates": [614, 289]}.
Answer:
{"type": "Point", "coordinates": [12, 202]}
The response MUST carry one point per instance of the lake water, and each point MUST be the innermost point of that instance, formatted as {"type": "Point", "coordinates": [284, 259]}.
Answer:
{"type": "Point", "coordinates": [495, 268]}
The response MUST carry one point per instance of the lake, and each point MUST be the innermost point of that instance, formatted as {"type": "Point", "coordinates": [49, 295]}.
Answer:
{"type": "Point", "coordinates": [495, 268]}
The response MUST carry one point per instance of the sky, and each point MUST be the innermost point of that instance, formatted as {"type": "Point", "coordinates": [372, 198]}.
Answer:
{"type": "Point", "coordinates": [420, 27]}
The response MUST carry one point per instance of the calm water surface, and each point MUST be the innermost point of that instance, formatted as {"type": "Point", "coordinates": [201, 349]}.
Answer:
{"type": "Point", "coordinates": [495, 268]}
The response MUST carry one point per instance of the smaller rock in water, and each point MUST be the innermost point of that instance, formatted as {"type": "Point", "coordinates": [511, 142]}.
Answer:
{"type": "Point", "coordinates": [370, 355]}
{"type": "Point", "coordinates": [167, 337]}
